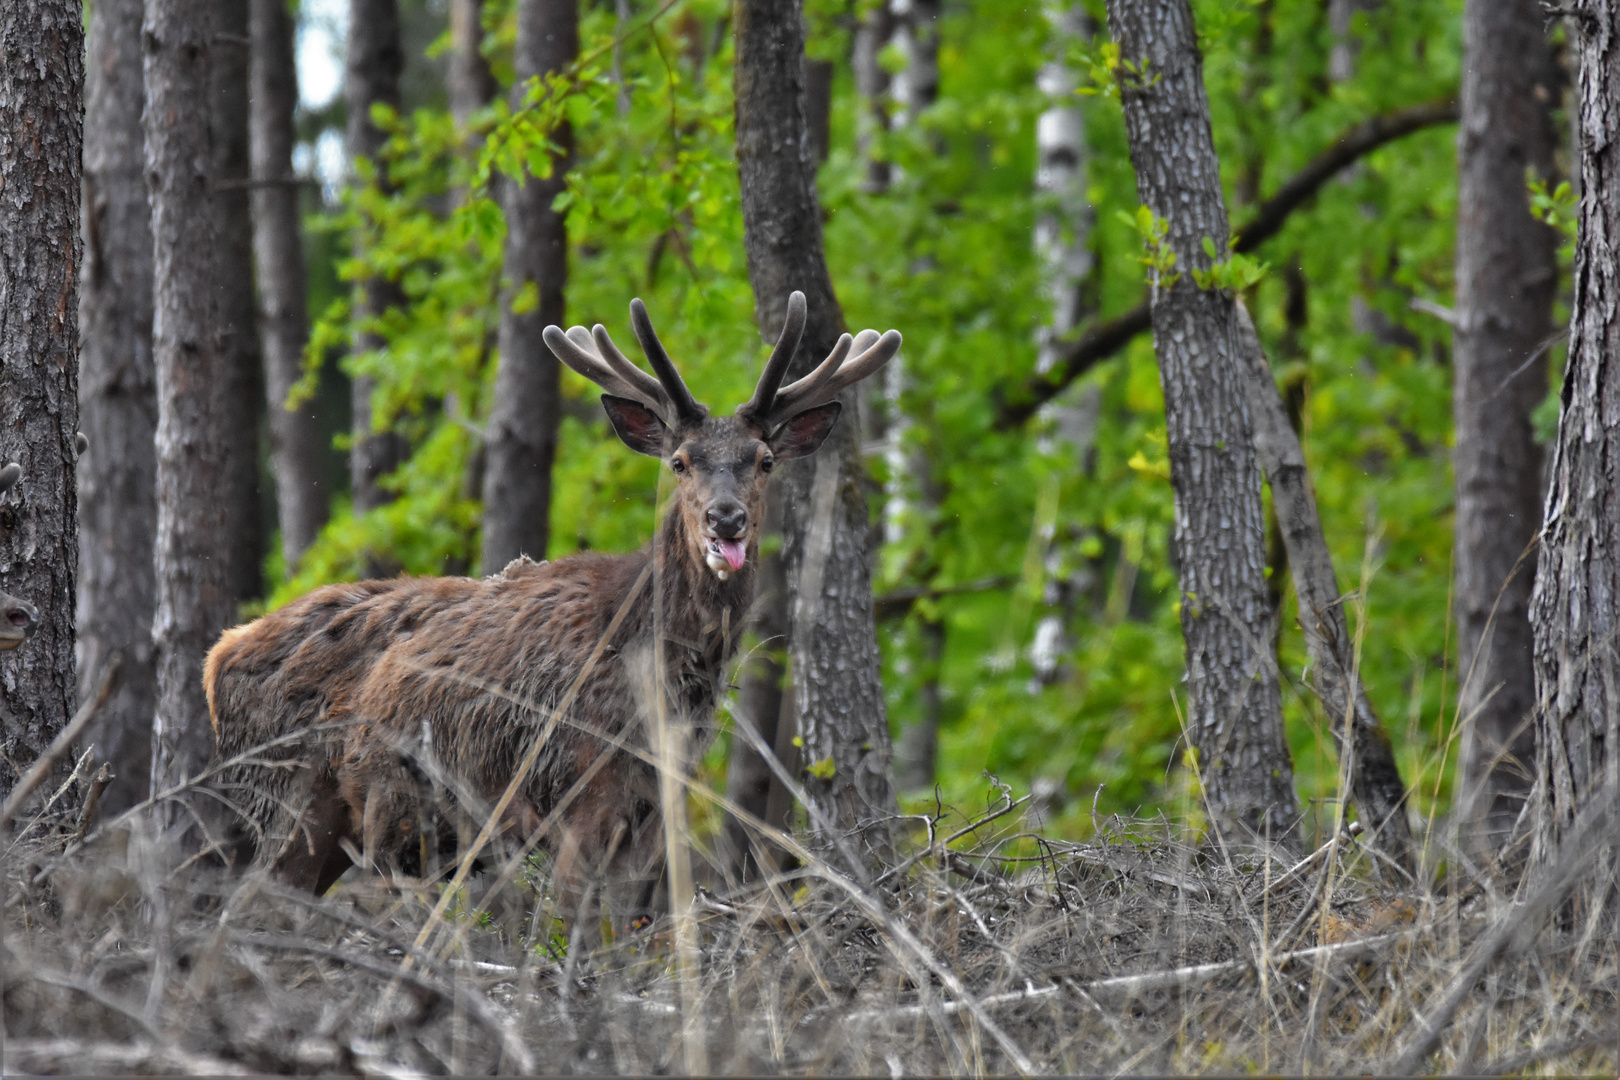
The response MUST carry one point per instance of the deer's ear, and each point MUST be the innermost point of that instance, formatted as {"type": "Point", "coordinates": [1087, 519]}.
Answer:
{"type": "Point", "coordinates": [637, 425]}
{"type": "Point", "coordinates": [804, 434]}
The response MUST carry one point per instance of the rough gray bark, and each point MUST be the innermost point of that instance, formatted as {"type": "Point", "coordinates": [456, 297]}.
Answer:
{"type": "Point", "coordinates": [1507, 279]}
{"type": "Point", "coordinates": [471, 83]}
{"type": "Point", "coordinates": [1375, 779]}
{"type": "Point", "coordinates": [374, 64]}
{"type": "Point", "coordinates": [832, 643]}
{"type": "Point", "coordinates": [521, 437]}
{"type": "Point", "coordinates": [41, 108]}
{"type": "Point", "coordinates": [764, 696]}
{"type": "Point", "coordinates": [1573, 609]}
{"type": "Point", "coordinates": [1233, 710]}
{"type": "Point", "coordinates": [117, 407]}
{"type": "Point", "coordinates": [235, 301]}
{"type": "Point", "coordinates": [193, 556]}
{"type": "Point", "coordinates": [302, 500]}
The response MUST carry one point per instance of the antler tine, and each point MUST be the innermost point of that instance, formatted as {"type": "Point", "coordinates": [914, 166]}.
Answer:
{"type": "Point", "coordinates": [685, 406]}
{"type": "Point", "coordinates": [791, 397]}
{"type": "Point", "coordinates": [620, 363]}
{"type": "Point", "coordinates": [574, 349]}
{"type": "Point", "coordinates": [825, 383]}
{"type": "Point", "coordinates": [770, 380]}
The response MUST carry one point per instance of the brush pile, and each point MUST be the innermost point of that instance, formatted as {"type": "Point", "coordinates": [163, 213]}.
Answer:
{"type": "Point", "coordinates": [1136, 952]}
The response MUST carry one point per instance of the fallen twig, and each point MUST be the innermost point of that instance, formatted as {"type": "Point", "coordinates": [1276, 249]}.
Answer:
{"type": "Point", "coordinates": [478, 1008]}
{"type": "Point", "coordinates": [101, 1058]}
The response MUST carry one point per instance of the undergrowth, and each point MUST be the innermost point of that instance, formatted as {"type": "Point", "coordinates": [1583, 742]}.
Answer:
{"type": "Point", "coordinates": [1142, 951]}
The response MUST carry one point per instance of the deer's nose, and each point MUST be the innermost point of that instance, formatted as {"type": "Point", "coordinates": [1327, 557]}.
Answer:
{"type": "Point", "coordinates": [23, 616]}
{"type": "Point", "coordinates": [727, 519]}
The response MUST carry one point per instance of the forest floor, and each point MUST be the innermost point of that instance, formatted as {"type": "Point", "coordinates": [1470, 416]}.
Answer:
{"type": "Point", "coordinates": [1135, 952]}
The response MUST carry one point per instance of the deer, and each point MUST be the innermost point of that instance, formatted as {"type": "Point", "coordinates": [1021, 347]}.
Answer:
{"type": "Point", "coordinates": [362, 696]}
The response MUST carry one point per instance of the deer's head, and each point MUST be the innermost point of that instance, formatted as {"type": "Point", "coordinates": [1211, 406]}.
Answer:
{"type": "Point", "coordinates": [721, 463]}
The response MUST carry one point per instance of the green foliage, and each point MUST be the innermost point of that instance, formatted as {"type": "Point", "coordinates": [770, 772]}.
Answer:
{"type": "Point", "coordinates": [1159, 258]}
{"type": "Point", "coordinates": [1235, 274]}
{"type": "Point", "coordinates": [1083, 532]}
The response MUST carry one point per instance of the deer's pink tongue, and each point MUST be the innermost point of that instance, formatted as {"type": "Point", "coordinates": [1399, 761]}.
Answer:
{"type": "Point", "coordinates": [733, 552]}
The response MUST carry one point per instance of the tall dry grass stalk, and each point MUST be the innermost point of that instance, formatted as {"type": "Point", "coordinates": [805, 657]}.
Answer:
{"type": "Point", "coordinates": [986, 948]}
{"type": "Point", "coordinates": [990, 949]}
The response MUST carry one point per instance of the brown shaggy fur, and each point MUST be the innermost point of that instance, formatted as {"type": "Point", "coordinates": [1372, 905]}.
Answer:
{"type": "Point", "coordinates": [385, 685]}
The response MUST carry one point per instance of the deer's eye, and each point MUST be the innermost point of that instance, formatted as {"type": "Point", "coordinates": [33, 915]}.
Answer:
{"type": "Point", "coordinates": [678, 466]}
{"type": "Point", "coordinates": [767, 463]}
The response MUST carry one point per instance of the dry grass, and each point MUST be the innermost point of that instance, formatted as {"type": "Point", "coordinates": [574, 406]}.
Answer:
{"type": "Point", "coordinates": [1138, 952]}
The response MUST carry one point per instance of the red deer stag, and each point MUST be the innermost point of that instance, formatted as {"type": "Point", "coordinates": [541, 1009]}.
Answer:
{"type": "Point", "coordinates": [374, 680]}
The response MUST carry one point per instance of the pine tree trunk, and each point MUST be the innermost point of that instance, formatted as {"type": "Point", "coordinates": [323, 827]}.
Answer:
{"type": "Point", "coordinates": [764, 696]}
{"type": "Point", "coordinates": [833, 642]}
{"type": "Point", "coordinates": [1507, 278]}
{"type": "Point", "coordinates": [235, 301]}
{"type": "Point", "coordinates": [1573, 609]}
{"type": "Point", "coordinates": [521, 440]}
{"type": "Point", "coordinates": [117, 406]}
{"type": "Point", "coordinates": [41, 108]}
{"type": "Point", "coordinates": [1233, 709]}
{"type": "Point", "coordinates": [278, 240]}
{"type": "Point", "coordinates": [375, 62]}
{"type": "Point", "coordinates": [193, 556]}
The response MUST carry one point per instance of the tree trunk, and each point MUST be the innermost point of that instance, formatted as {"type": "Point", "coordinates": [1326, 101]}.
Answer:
{"type": "Point", "coordinates": [832, 643]}
{"type": "Point", "coordinates": [1573, 609]}
{"type": "Point", "coordinates": [1375, 779]}
{"type": "Point", "coordinates": [1234, 713]}
{"type": "Point", "coordinates": [41, 105]}
{"type": "Point", "coordinates": [193, 555]}
{"type": "Point", "coordinates": [1507, 279]}
{"type": "Point", "coordinates": [237, 307]}
{"type": "Point", "coordinates": [117, 407]}
{"type": "Point", "coordinates": [375, 62]}
{"type": "Point", "coordinates": [872, 35]}
{"type": "Point", "coordinates": [764, 697]}
{"type": "Point", "coordinates": [471, 83]}
{"type": "Point", "coordinates": [1063, 229]}
{"type": "Point", "coordinates": [1062, 243]}
{"type": "Point", "coordinates": [521, 439]}
{"type": "Point", "coordinates": [278, 239]}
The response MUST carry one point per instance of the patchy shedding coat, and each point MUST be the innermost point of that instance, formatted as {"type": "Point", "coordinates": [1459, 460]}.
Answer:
{"type": "Point", "coordinates": [382, 680]}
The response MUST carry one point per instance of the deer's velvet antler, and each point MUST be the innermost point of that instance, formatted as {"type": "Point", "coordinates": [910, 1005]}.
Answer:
{"type": "Point", "coordinates": [871, 351]}
{"type": "Point", "coordinates": [776, 367]}
{"type": "Point", "coordinates": [773, 403]}
{"type": "Point", "coordinates": [593, 355]}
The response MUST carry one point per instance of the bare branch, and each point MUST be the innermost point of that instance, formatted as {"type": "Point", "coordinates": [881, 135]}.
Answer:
{"type": "Point", "coordinates": [1102, 340]}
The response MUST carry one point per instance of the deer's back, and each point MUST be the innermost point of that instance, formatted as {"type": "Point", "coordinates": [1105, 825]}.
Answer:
{"type": "Point", "coordinates": [471, 663]}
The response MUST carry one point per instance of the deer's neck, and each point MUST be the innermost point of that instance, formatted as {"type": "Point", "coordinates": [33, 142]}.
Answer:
{"type": "Point", "coordinates": [699, 617]}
